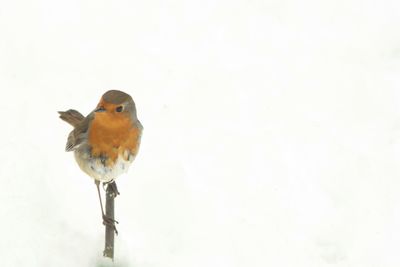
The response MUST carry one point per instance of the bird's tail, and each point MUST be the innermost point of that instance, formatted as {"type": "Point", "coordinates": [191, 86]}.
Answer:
{"type": "Point", "coordinates": [71, 116]}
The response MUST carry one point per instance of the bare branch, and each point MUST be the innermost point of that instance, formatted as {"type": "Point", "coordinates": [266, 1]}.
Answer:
{"type": "Point", "coordinates": [109, 236]}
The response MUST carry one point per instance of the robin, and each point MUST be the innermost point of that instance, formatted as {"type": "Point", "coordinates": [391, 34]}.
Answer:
{"type": "Point", "coordinates": [105, 142]}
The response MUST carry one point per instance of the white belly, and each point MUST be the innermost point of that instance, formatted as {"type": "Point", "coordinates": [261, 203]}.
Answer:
{"type": "Point", "coordinates": [96, 169]}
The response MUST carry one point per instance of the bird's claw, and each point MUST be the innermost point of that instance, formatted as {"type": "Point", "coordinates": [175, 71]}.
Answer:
{"type": "Point", "coordinates": [107, 221]}
{"type": "Point", "coordinates": [113, 188]}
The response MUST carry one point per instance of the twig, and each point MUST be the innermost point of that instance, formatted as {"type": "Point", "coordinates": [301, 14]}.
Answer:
{"type": "Point", "coordinates": [109, 244]}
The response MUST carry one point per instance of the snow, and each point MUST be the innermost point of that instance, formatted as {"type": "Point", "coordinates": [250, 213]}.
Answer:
{"type": "Point", "coordinates": [271, 132]}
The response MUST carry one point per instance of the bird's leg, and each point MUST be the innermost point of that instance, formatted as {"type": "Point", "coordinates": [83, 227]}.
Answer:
{"type": "Point", "coordinates": [106, 220]}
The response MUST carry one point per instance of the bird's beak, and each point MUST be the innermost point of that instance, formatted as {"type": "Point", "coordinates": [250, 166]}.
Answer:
{"type": "Point", "coordinates": [100, 109]}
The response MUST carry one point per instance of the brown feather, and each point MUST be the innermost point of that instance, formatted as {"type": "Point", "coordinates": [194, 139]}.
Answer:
{"type": "Point", "coordinates": [71, 116]}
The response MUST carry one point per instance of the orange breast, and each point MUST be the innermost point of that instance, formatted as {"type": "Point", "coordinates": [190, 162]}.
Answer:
{"type": "Point", "coordinates": [110, 136]}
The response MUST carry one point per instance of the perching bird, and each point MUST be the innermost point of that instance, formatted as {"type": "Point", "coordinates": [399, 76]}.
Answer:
{"type": "Point", "coordinates": [106, 142]}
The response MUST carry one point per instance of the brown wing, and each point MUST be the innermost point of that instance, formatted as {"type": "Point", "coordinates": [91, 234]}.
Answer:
{"type": "Point", "coordinates": [79, 135]}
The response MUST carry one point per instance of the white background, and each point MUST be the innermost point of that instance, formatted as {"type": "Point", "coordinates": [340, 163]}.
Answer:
{"type": "Point", "coordinates": [272, 132]}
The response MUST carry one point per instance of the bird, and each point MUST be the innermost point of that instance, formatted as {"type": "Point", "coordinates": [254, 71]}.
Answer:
{"type": "Point", "coordinates": [105, 142]}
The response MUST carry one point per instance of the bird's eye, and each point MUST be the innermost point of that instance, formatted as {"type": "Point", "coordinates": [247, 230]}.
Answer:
{"type": "Point", "coordinates": [119, 109]}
